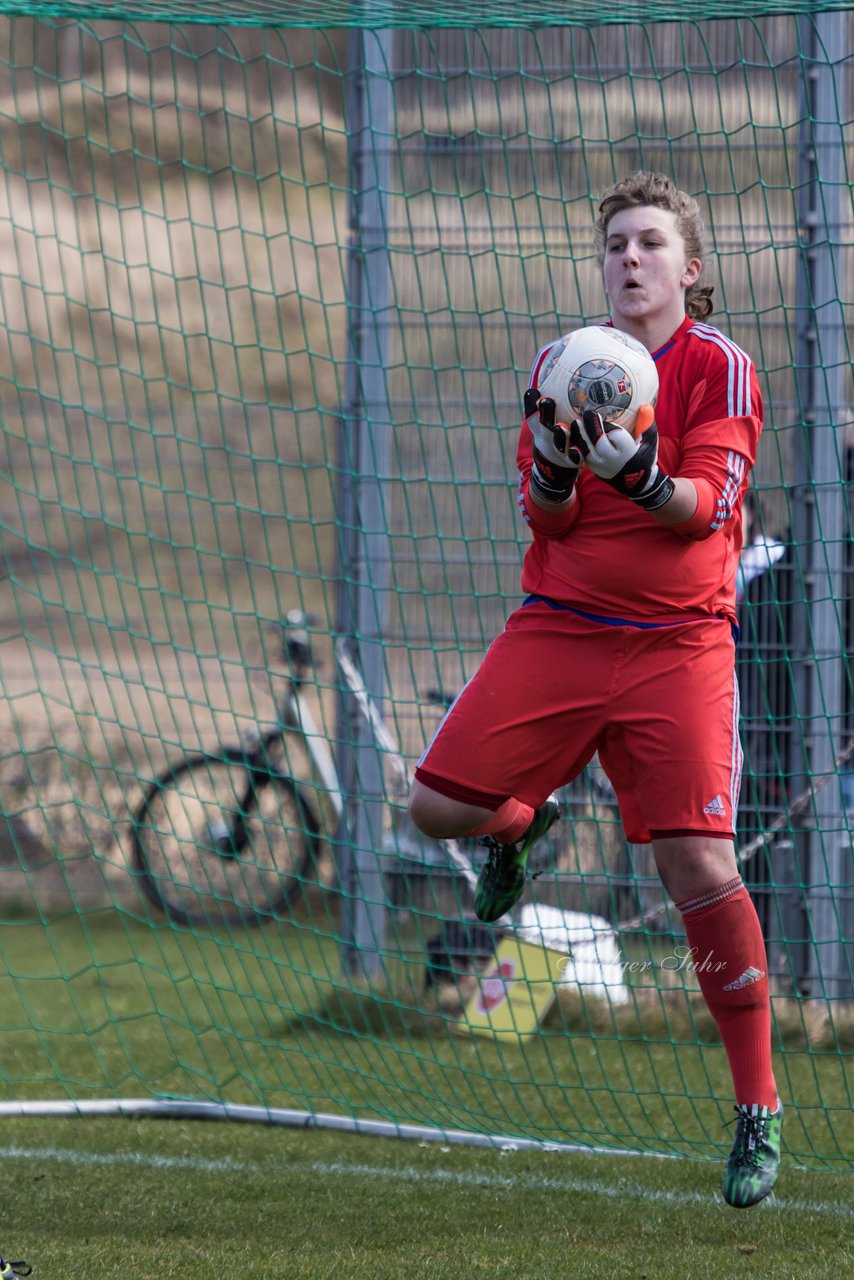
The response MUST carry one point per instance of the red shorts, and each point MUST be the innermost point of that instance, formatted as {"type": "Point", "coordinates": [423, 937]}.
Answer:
{"type": "Point", "coordinates": [660, 705]}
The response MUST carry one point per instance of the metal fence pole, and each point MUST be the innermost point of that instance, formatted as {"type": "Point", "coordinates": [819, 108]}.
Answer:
{"type": "Point", "coordinates": [821, 521]}
{"type": "Point", "coordinates": [365, 455]}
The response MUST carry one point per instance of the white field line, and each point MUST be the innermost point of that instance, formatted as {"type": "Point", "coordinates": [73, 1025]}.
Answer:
{"type": "Point", "coordinates": [439, 1177]}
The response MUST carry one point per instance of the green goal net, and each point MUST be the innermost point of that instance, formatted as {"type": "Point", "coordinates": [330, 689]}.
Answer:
{"type": "Point", "coordinates": [272, 279]}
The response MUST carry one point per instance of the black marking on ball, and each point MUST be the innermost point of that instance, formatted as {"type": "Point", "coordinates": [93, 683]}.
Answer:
{"type": "Point", "coordinates": [601, 391]}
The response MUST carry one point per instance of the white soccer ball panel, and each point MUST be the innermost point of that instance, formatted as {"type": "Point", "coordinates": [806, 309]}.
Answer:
{"type": "Point", "coordinates": [599, 368]}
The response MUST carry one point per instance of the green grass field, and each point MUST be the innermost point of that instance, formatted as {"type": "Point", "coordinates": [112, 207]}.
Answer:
{"type": "Point", "coordinates": [107, 1005]}
{"type": "Point", "coordinates": [110, 1198]}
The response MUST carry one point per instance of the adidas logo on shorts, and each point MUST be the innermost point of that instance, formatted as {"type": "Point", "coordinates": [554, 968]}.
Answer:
{"type": "Point", "coordinates": [715, 807]}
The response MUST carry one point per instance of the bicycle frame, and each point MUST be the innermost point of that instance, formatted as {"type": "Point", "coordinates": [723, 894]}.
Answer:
{"type": "Point", "coordinates": [296, 714]}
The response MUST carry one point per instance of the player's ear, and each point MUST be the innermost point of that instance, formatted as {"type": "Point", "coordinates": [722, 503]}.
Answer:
{"type": "Point", "coordinates": [693, 271]}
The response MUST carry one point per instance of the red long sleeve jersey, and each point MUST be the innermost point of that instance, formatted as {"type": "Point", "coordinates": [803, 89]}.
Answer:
{"type": "Point", "coordinates": [610, 558]}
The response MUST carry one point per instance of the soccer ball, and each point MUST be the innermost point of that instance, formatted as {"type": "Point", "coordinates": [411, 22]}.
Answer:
{"type": "Point", "coordinates": [599, 368]}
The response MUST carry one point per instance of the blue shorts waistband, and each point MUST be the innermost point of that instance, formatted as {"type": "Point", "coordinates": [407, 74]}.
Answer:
{"type": "Point", "coordinates": [608, 621]}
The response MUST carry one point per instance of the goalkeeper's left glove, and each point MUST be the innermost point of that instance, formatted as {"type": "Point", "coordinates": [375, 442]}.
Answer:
{"type": "Point", "coordinates": [557, 461]}
{"type": "Point", "coordinates": [627, 464]}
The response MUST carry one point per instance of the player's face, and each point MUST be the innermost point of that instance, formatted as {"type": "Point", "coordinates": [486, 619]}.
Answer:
{"type": "Point", "coordinates": [646, 268]}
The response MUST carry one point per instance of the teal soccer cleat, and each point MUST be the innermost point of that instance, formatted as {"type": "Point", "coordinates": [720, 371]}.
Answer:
{"type": "Point", "coordinates": [502, 876]}
{"type": "Point", "coordinates": [754, 1161]}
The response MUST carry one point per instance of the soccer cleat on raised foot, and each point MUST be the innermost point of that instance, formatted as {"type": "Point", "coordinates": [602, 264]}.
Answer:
{"type": "Point", "coordinates": [502, 876]}
{"type": "Point", "coordinates": [13, 1270]}
{"type": "Point", "coordinates": [754, 1161]}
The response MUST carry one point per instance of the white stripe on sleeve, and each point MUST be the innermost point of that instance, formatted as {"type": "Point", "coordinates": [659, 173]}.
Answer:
{"type": "Point", "coordinates": [738, 369]}
{"type": "Point", "coordinates": [736, 467]}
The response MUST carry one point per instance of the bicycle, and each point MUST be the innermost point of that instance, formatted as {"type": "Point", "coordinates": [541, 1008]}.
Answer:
{"type": "Point", "coordinates": [231, 836]}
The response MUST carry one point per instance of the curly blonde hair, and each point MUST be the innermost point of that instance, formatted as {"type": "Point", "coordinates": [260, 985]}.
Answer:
{"type": "Point", "coordinates": [656, 189]}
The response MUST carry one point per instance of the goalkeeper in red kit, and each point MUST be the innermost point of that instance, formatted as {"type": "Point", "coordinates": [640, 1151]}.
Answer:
{"type": "Point", "coordinates": [625, 641]}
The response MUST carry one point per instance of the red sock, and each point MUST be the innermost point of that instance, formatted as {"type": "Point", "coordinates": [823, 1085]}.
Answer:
{"type": "Point", "coordinates": [507, 823]}
{"type": "Point", "coordinates": [728, 952]}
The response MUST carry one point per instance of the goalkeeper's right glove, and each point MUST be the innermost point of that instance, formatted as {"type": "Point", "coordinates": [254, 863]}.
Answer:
{"type": "Point", "coordinates": [557, 462]}
{"type": "Point", "coordinates": [629, 464]}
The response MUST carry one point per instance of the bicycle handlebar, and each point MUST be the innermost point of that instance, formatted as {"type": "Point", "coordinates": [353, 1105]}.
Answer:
{"type": "Point", "coordinates": [296, 643]}
{"type": "Point", "coordinates": [439, 697]}
{"type": "Point", "coordinates": [298, 653]}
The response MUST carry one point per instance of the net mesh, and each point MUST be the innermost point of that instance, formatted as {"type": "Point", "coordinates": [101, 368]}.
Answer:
{"type": "Point", "coordinates": [254, 350]}
{"type": "Point", "coordinates": [379, 14]}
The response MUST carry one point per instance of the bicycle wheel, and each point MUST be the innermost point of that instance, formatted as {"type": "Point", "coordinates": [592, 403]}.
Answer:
{"type": "Point", "coordinates": [221, 840]}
